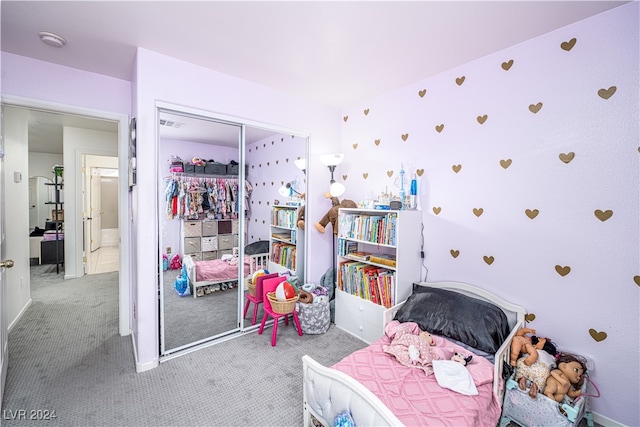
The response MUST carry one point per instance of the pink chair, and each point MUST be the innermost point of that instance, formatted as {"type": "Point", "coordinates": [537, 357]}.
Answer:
{"type": "Point", "coordinates": [256, 300]}
{"type": "Point", "coordinates": [270, 285]}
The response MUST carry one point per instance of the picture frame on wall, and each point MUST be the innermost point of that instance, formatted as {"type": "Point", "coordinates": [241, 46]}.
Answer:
{"type": "Point", "coordinates": [132, 153]}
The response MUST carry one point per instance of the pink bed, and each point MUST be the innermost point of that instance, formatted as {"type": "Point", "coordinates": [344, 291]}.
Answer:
{"type": "Point", "coordinates": [403, 390]}
{"type": "Point", "coordinates": [218, 271]}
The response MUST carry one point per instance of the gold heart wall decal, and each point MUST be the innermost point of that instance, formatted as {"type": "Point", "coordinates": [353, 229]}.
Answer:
{"type": "Point", "coordinates": [345, 118]}
{"type": "Point", "coordinates": [460, 80]}
{"type": "Point", "coordinates": [422, 93]}
{"type": "Point", "coordinates": [534, 108]}
{"type": "Point", "coordinates": [389, 173]}
{"type": "Point", "coordinates": [607, 93]}
{"type": "Point", "coordinates": [507, 65]}
{"type": "Point", "coordinates": [273, 142]}
{"type": "Point", "coordinates": [478, 211]}
{"type": "Point", "coordinates": [281, 182]}
{"type": "Point", "coordinates": [252, 166]}
{"type": "Point", "coordinates": [456, 168]}
{"type": "Point", "coordinates": [264, 145]}
{"type": "Point", "coordinates": [267, 202]}
{"type": "Point", "coordinates": [355, 146]}
{"type": "Point", "coordinates": [532, 213]}
{"type": "Point", "coordinates": [603, 215]}
{"type": "Point", "coordinates": [268, 163]}
{"type": "Point", "coordinates": [597, 336]}
{"type": "Point", "coordinates": [439, 128]}
{"type": "Point", "coordinates": [454, 253]}
{"type": "Point", "coordinates": [488, 259]}
{"type": "Point", "coordinates": [286, 160]}
{"type": "Point", "coordinates": [259, 165]}
{"type": "Point", "coordinates": [568, 45]}
{"type": "Point", "coordinates": [272, 183]}
{"type": "Point", "coordinates": [365, 175]}
{"type": "Point", "coordinates": [366, 111]}
{"type": "Point", "coordinates": [436, 210]}
{"type": "Point", "coordinates": [567, 157]}
{"type": "Point", "coordinates": [344, 177]}
{"type": "Point", "coordinates": [482, 119]}
{"type": "Point", "coordinates": [249, 149]}
{"type": "Point", "coordinates": [529, 317]}
{"type": "Point", "coordinates": [259, 202]}
{"type": "Point", "coordinates": [277, 161]}
{"type": "Point", "coordinates": [505, 163]}
{"type": "Point", "coordinates": [419, 172]}
{"type": "Point", "coordinates": [563, 271]}
{"type": "Point", "coordinates": [377, 142]}
{"type": "Point", "coordinates": [637, 280]}
{"type": "Point", "coordinates": [405, 136]}
{"type": "Point", "coordinates": [257, 148]}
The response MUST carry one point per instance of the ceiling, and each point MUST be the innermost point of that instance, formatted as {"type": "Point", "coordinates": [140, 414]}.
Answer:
{"type": "Point", "coordinates": [337, 53]}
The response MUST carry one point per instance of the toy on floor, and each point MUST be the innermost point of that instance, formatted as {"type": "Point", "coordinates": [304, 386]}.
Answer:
{"type": "Point", "coordinates": [332, 214]}
{"type": "Point", "coordinates": [567, 379]}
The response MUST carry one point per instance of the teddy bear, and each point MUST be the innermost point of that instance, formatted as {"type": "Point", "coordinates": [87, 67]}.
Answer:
{"type": "Point", "coordinates": [566, 379]}
{"type": "Point", "coordinates": [332, 214]}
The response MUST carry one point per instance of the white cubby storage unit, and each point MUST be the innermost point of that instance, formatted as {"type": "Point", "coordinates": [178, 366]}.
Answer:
{"type": "Point", "coordinates": [207, 239]}
{"type": "Point", "coordinates": [378, 260]}
{"type": "Point", "coordinates": [286, 241]}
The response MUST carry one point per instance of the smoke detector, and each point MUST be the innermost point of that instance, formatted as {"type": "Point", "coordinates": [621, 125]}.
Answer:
{"type": "Point", "coordinates": [52, 39]}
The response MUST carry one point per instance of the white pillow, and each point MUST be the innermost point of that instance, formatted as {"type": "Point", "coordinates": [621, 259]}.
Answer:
{"type": "Point", "coordinates": [454, 376]}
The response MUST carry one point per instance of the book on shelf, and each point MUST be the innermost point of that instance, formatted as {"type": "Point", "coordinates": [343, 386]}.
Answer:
{"type": "Point", "coordinates": [361, 256]}
{"type": "Point", "coordinates": [388, 260]}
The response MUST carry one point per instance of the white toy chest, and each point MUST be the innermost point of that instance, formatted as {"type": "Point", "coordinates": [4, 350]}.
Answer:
{"type": "Point", "coordinates": [520, 408]}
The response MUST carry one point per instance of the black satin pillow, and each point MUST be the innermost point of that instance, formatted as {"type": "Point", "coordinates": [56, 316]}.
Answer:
{"type": "Point", "coordinates": [477, 323]}
{"type": "Point", "coordinates": [259, 247]}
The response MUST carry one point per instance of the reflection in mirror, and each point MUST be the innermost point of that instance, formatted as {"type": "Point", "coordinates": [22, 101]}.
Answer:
{"type": "Point", "coordinates": [198, 222]}
{"type": "Point", "coordinates": [194, 237]}
{"type": "Point", "coordinates": [39, 198]}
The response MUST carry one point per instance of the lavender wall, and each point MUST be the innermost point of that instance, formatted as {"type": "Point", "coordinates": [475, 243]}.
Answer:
{"type": "Point", "coordinates": [529, 185]}
{"type": "Point", "coordinates": [161, 78]}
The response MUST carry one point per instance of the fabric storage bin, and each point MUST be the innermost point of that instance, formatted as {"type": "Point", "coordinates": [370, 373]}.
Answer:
{"type": "Point", "coordinates": [542, 411]}
{"type": "Point", "coordinates": [315, 318]}
{"type": "Point", "coordinates": [199, 169]}
{"type": "Point", "coordinates": [192, 244]}
{"type": "Point", "coordinates": [224, 252]}
{"type": "Point", "coordinates": [208, 256]}
{"type": "Point", "coordinates": [196, 256]}
{"type": "Point", "coordinates": [209, 243]}
{"type": "Point", "coordinates": [225, 242]}
{"type": "Point", "coordinates": [215, 169]}
{"type": "Point", "coordinates": [209, 228]}
{"type": "Point", "coordinates": [225, 227]}
{"type": "Point", "coordinates": [235, 226]}
{"type": "Point", "coordinates": [189, 168]}
{"type": "Point", "coordinates": [236, 240]}
{"type": "Point", "coordinates": [192, 228]}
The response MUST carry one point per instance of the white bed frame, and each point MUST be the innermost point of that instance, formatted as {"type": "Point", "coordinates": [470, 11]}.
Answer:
{"type": "Point", "coordinates": [256, 262]}
{"type": "Point", "coordinates": [327, 392]}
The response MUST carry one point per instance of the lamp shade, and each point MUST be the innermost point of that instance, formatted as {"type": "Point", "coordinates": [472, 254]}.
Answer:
{"type": "Point", "coordinates": [284, 191]}
{"type": "Point", "coordinates": [336, 189]}
{"type": "Point", "coordinates": [331, 159]}
{"type": "Point", "coordinates": [301, 163]}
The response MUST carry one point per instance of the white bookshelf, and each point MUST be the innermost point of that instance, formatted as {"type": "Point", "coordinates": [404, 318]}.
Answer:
{"type": "Point", "coordinates": [378, 260]}
{"type": "Point", "coordinates": [286, 241]}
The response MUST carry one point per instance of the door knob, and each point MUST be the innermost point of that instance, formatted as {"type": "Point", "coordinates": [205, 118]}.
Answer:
{"type": "Point", "coordinates": [8, 263]}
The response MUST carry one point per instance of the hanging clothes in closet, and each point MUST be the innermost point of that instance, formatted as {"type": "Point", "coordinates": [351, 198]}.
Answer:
{"type": "Point", "coordinates": [189, 197]}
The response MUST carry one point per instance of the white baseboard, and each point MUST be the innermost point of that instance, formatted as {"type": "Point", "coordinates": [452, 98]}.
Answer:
{"type": "Point", "coordinates": [19, 316]}
{"type": "Point", "coordinates": [142, 367]}
{"type": "Point", "coordinates": [605, 421]}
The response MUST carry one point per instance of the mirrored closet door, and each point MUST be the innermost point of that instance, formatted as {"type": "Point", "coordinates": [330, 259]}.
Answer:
{"type": "Point", "coordinates": [214, 217]}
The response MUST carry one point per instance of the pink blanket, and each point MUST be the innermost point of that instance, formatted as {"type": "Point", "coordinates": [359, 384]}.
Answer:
{"type": "Point", "coordinates": [217, 270]}
{"type": "Point", "coordinates": [415, 397]}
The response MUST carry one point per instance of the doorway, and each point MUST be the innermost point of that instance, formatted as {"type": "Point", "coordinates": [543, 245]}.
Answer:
{"type": "Point", "coordinates": [73, 211]}
{"type": "Point", "coordinates": [100, 214]}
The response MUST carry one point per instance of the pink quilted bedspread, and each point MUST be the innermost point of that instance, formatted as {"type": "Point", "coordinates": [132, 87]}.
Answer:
{"type": "Point", "coordinates": [415, 397]}
{"type": "Point", "coordinates": [217, 270]}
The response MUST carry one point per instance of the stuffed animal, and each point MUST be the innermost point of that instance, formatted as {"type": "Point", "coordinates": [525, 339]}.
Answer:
{"type": "Point", "coordinates": [332, 214]}
{"type": "Point", "coordinates": [567, 379]}
{"type": "Point", "coordinates": [459, 357]}
{"type": "Point", "coordinates": [529, 345]}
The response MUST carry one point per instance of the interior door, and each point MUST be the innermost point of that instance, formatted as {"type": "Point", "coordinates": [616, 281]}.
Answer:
{"type": "Point", "coordinates": [95, 210]}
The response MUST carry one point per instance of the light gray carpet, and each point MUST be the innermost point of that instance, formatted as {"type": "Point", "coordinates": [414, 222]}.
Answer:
{"type": "Point", "coordinates": [188, 319]}
{"type": "Point", "coordinates": [65, 355]}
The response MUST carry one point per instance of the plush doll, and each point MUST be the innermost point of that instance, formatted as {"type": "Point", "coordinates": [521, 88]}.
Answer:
{"type": "Point", "coordinates": [332, 214]}
{"type": "Point", "coordinates": [459, 357]}
{"type": "Point", "coordinates": [300, 221]}
{"type": "Point", "coordinates": [529, 345]}
{"type": "Point", "coordinates": [536, 374]}
{"type": "Point", "coordinates": [567, 379]}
